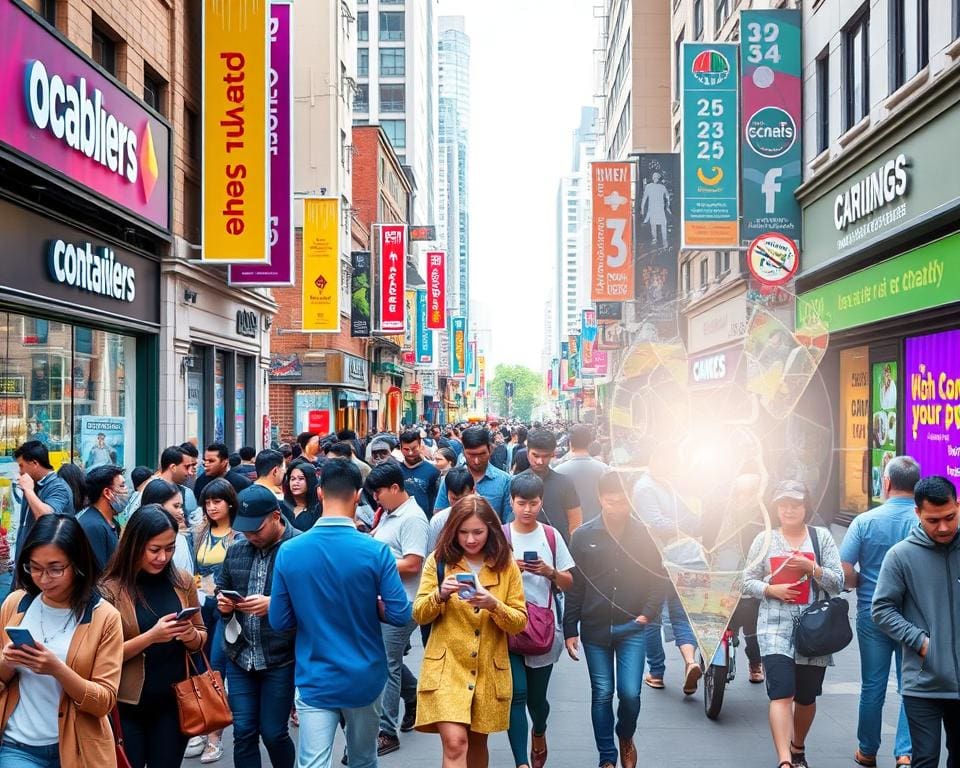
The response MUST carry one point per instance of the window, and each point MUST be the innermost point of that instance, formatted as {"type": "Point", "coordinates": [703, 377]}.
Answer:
{"type": "Point", "coordinates": [677, 65]}
{"type": "Point", "coordinates": [154, 89]}
{"type": "Point", "coordinates": [704, 271]}
{"type": "Point", "coordinates": [685, 276]}
{"type": "Point", "coordinates": [391, 25]}
{"type": "Point", "coordinates": [48, 9]}
{"type": "Point", "coordinates": [856, 53]}
{"type": "Point", "coordinates": [361, 98]}
{"type": "Point", "coordinates": [363, 25]}
{"type": "Point", "coordinates": [956, 18]}
{"type": "Point", "coordinates": [396, 131]}
{"type": "Point", "coordinates": [194, 141]}
{"type": "Point", "coordinates": [392, 97]}
{"type": "Point", "coordinates": [823, 101]}
{"type": "Point", "coordinates": [393, 62]}
{"type": "Point", "coordinates": [721, 12]}
{"type": "Point", "coordinates": [909, 42]}
{"type": "Point", "coordinates": [363, 62]}
{"type": "Point", "coordinates": [698, 19]}
{"type": "Point", "coordinates": [723, 263]}
{"type": "Point", "coordinates": [104, 51]}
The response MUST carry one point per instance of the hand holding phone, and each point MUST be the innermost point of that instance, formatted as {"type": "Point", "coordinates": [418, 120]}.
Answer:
{"type": "Point", "coordinates": [468, 585]}
{"type": "Point", "coordinates": [187, 613]}
{"type": "Point", "coordinates": [20, 636]}
{"type": "Point", "coordinates": [231, 594]}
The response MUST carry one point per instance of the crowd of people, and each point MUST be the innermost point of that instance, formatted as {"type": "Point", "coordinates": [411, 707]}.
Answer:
{"type": "Point", "coordinates": [304, 574]}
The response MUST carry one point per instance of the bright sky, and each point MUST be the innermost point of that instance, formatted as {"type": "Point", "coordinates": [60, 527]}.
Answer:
{"type": "Point", "coordinates": [531, 72]}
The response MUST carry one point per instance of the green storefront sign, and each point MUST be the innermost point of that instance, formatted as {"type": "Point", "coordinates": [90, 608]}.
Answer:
{"type": "Point", "coordinates": [920, 279]}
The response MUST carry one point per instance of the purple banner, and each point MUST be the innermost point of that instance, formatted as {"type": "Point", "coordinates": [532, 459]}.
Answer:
{"type": "Point", "coordinates": [279, 272]}
{"type": "Point", "coordinates": [932, 412]}
{"type": "Point", "coordinates": [65, 114]}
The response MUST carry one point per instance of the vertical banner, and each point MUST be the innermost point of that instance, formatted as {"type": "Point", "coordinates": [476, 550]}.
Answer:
{"type": "Point", "coordinates": [236, 182]}
{"type": "Point", "coordinates": [711, 204]}
{"type": "Point", "coordinates": [601, 363]}
{"type": "Point", "coordinates": [424, 334]}
{"type": "Point", "coordinates": [360, 294]}
{"type": "Point", "coordinates": [458, 353]}
{"type": "Point", "coordinates": [588, 339]}
{"type": "Point", "coordinates": [658, 233]}
{"type": "Point", "coordinates": [278, 271]}
{"type": "Point", "coordinates": [573, 365]}
{"type": "Point", "coordinates": [482, 369]}
{"type": "Point", "coordinates": [437, 290]}
{"type": "Point", "coordinates": [472, 379]}
{"type": "Point", "coordinates": [854, 419]}
{"type": "Point", "coordinates": [443, 342]}
{"type": "Point", "coordinates": [410, 324]}
{"type": "Point", "coordinates": [771, 85]}
{"type": "Point", "coordinates": [391, 276]}
{"type": "Point", "coordinates": [555, 371]}
{"type": "Point", "coordinates": [320, 283]}
{"type": "Point", "coordinates": [612, 266]}
{"type": "Point", "coordinates": [565, 366]}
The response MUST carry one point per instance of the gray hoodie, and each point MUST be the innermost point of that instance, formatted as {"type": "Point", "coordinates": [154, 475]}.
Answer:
{"type": "Point", "coordinates": [917, 597]}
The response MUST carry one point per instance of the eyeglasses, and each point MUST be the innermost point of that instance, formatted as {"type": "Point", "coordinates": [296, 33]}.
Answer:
{"type": "Point", "coordinates": [54, 572]}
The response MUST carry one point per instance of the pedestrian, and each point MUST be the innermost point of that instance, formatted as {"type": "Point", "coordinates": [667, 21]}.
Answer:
{"type": "Point", "coordinates": [149, 591]}
{"type": "Point", "coordinates": [73, 476]}
{"type": "Point", "coordinates": [583, 469]}
{"type": "Point", "coordinates": [170, 497]}
{"type": "Point", "coordinates": [108, 494]}
{"type": "Point", "coordinates": [300, 492]}
{"type": "Point", "coordinates": [459, 484]}
{"type": "Point", "coordinates": [248, 467]}
{"type": "Point", "coordinates": [421, 478]}
{"type": "Point", "coordinates": [216, 465]}
{"type": "Point", "coordinates": [491, 483]}
{"type": "Point", "coordinates": [786, 568]}
{"type": "Point", "coordinates": [561, 503]}
{"type": "Point", "coordinates": [868, 539]}
{"type": "Point", "coordinates": [44, 491]}
{"type": "Point", "coordinates": [401, 524]}
{"type": "Point", "coordinates": [335, 586]}
{"type": "Point", "coordinates": [615, 555]}
{"type": "Point", "coordinates": [444, 460]}
{"type": "Point", "coordinates": [521, 462]}
{"type": "Point", "coordinates": [259, 659]}
{"type": "Point", "coordinates": [465, 680]}
{"type": "Point", "coordinates": [914, 603]}
{"type": "Point", "coordinates": [56, 695]}
{"type": "Point", "coordinates": [545, 576]}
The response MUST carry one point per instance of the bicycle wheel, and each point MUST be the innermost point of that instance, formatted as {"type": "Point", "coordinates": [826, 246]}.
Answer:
{"type": "Point", "coordinates": [714, 683]}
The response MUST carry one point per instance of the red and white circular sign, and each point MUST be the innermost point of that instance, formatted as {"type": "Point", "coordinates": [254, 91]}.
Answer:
{"type": "Point", "coordinates": [773, 258]}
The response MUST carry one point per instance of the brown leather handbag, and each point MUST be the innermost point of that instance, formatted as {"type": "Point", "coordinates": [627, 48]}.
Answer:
{"type": "Point", "coordinates": [202, 700]}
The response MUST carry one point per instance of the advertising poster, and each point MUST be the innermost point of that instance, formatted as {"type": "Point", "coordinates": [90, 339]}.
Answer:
{"type": "Point", "coordinates": [601, 363]}
{"type": "Point", "coordinates": [588, 339]}
{"type": "Point", "coordinates": [932, 403]}
{"type": "Point", "coordinates": [320, 285]}
{"type": "Point", "coordinates": [458, 356]}
{"type": "Point", "coordinates": [711, 203]}
{"type": "Point", "coordinates": [564, 377]}
{"type": "Point", "coordinates": [612, 265]}
{"type": "Point", "coordinates": [101, 441]}
{"type": "Point", "coordinates": [313, 411]}
{"type": "Point", "coordinates": [573, 358]}
{"type": "Point", "coordinates": [278, 271]}
{"type": "Point", "coordinates": [482, 373]}
{"type": "Point", "coordinates": [410, 327]}
{"type": "Point", "coordinates": [443, 343]}
{"type": "Point", "coordinates": [360, 294]}
{"type": "Point", "coordinates": [194, 406]}
{"type": "Point", "coordinates": [437, 290]}
{"type": "Point", "coordinates": [424, 334]}
{"type": "Point", "coordinates": [883, 423]}
{"type": "Point", "coordinates": [609, 312]}
{"type": "Point", "coordinates": [391, 277]}
{"type": "Point", "coordinates": [473, 378]}
{"type": "Point", "coordinates": [235, 205]}
{"type": "Point", "coordinates": [658, 232]}
{"type": "Point", "coordinates": [854, 428]}
{"type": "Point", "coordinates": [771, 117]}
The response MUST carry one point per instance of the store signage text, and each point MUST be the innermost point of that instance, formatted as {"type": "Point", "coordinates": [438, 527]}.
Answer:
{"type": "Point", "coordinates": [713, 368]}
{"type": "Point", "coordinates": [247, 324]}
{"type": "Point", "coordinates": [94, 270]}
{"type": "Point", "coordinates": [871, 193]}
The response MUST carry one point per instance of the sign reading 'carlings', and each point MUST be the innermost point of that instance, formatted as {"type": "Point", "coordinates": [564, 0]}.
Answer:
{"type": "Point", "coordinates": [612, 234]}
{"type": "Point", "coordinates": [68, 116]}
{"type": "Point", "coordinates": [391, 270]}
{"type": "Point", "coordinates": [436, 290]}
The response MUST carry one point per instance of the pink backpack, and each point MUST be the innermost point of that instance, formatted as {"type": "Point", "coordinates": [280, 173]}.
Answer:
{"type": "Point", "coordinates": [537, 638]}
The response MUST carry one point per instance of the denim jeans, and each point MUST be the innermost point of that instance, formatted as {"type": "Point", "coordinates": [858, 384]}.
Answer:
{"type": "Point", "coordinates": [625, 654]}
{"type": "Point", "coordinates": [529, 693]}
{"type": "Point", "coordinates": [215, 648]}
{"type": "Point", "coordinates": [682, 631]}
{"type": "Point", "coordinates": [13, 754]}
{"type": "Point", "coordinates": [875, 652]}
{"type": "Point", "coordinates": [261, 703]}
{"type": "Point", "coordinates": [928, 719]}
{"type": "Point", "coordinates": [400, 681]}
{"type": "Point", "coordinates": [319, 726]}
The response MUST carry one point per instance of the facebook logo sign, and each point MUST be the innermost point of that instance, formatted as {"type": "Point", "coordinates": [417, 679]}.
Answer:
{"type": "Point", "coordinates": [770, 187]}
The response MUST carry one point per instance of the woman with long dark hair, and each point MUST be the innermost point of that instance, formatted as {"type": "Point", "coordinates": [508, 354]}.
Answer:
{"type": "Point", "coordinates": [300, 492]}
{"type": "Point", "coordinates": [169, 496]}
{"type": "Point", "coordinates": [149, 591]}
{"type": "Point", "coordinates": [75, 657]}
{"type": "Point", "coordinates": [73, 476]}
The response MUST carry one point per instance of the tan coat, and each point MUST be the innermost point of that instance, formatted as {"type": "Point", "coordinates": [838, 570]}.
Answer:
{"type": "Point", "coordinates": [466, 675]}
{"type": "Point", "coordinates": [131, 681]}
{"type": "Point", "coordinates": [95, 653]}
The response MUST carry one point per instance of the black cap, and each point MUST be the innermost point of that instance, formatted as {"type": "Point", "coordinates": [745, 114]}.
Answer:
{"type": "Point", "coordinates": [256, 503]}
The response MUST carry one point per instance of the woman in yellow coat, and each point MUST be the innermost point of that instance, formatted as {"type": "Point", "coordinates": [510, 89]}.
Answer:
{"type": "Point", "coordinates": [465, 683]}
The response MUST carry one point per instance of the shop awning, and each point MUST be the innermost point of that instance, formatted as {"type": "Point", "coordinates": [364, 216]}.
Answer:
{"type": "Point", "coordinates": [353, 397]}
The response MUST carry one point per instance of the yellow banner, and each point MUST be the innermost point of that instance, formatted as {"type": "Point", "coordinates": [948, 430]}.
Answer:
{"type": "Point", "coordinates": [321, 265]}
{"type": "Point", "coordinates": [236, 182]}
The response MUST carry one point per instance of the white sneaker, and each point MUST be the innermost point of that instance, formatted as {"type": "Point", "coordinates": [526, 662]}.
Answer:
{"type": "Point", "coordinates": [195, 746]}
{"type": "Point", "coordinates": [212, 753]}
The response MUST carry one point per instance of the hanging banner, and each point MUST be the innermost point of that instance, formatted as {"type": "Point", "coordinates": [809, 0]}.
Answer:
{"type": "Point", "coordinates": [658, 234]}
{"type": "Point", "coordinates": [424, 334]}
{"type": "Point", "coordinates": [612, 266]}
{"type": "Point", "coordinates": [482, 368]}
{"type": "Point", "coordinates": [565, 384]}
{"type": "Point", "coordinates": [771, 85]}
{"type": "Point", "coordinates": [278, 271]}
{"type": "Point", "coordinates": [236, 181]}
{"type": "Point", "coordinates": [609, 312]}
{"type": "Point", "coordinates": [472, 376]}
{"type": "Point", "coordinates": [588, 339]}
{"type": "Point", "coordinates": [601, 364]}
{"type": "Point", "coordinates": [360, 294]}
{"type": "Point", "coordinates": [410, 326]}
{"type": "Point", "coordinates": [555, 376]}
{"type": "Point", "coordinates": [391, 276]}
{"type": "Point", "coordinates": [573, 369]}
{"type": "Point", "coordinates": [711, 204]}
{"type": "Point", "coordinates": [458, 353]}
{"type": "Point", "coordinates": [443, 360]}
{"type": "Point", "coordinates": [437, 290]}
{"type": "Point", "coordinates": [321, 265]}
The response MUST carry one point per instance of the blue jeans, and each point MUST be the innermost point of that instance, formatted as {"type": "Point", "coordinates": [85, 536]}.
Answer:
{"type": "Point", "coordinates": [13, 754]}
{"type": "Point", "coordinates": [875, 652]}
{"type": "Point", "coordinates": [400, 681]}
{"type": "Point", "coordinates": [319, 726]}
{"type": "Point", "coordinates": [261, 703]}
{"type": "Point", "coordinates": [682, 631]}
{"type": "Point", "coordinates": [626, 652]}
{"type": "Point", "coordinates": [215, 648]}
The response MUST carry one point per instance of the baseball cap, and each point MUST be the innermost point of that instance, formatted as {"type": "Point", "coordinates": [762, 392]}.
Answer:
{"type": "Point", "coordinates": [790, 489]}
{"type": "Point", "coordinates": [379, 445]}
{"type": "Point", "coordinates": [256, 503]}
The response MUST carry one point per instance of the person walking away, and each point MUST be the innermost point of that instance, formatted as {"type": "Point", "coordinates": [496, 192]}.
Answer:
{"type": "Point", "coordinates": [789, 555]}
{"type": "Point", "coordinates": [561, 504]}
{"type": "Point", "coordinates": [421, 478]}
{"type": "Point", "coordinates": [459, 484]}
{"type": "Point", "coordinates": [402, 525]}
{"type": "Point", "coordinates": [867, 541]}
{"type": "Point", "coordinates": [248, 466]}
{"type": "Point", "coordinates": [544, 577]}
{"type": "Point", "coordinates": [108, 494]}
{"type": "Point", "coordinates": [465, 681]}
{"type": "Point", "coordinates": [915, 603]}
{"type": "Point", "coordinates": [259, 659]}
{"type": "Point", "coordinates": [148, 590]}
{"type": "Point", "coordinates": [346, 583]}
{"type": "Point", "coordinates": [615, 555]}
{"type": "Point", "coordinates": [583, 469]}
{"type": "Point", "coordinates": [57, 694]}
{"type": "Point", "coordinates": [216, 465]}
{"type": "Point", "coordinates": [491, 483]}
{"type": "Point", "coordinates": [44, 491]}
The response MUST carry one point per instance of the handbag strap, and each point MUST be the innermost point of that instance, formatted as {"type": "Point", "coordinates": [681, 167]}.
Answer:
{"type": "Point", "coordinates": [189, 662]}
{"type": "Point", "coordinates": [551, 533]}
{"type": "Point", "coordinates": [117, 728]}
{"type": "Point", "coordinates": [815, 542]}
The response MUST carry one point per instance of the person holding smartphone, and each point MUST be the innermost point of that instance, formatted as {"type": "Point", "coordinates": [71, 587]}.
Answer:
{"type": "Point", "coordinates": [151, 594]}
{"type": "Point", "coordinates": [62, 644]}
{"type": "Point", "coordinates": [472, 592]}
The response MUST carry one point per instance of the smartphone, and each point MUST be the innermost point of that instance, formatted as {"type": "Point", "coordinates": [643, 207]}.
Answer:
{"type": "Point", "coordinates": [20, 636]}
{"type": "Point", "coordinates": [231, 594]}
{"type": "Point", "coordinates": [531, 557]}
{"type": "Point", "coordinates": [468, 585]}
{"type": "Point", "coordinates": [186, 613]}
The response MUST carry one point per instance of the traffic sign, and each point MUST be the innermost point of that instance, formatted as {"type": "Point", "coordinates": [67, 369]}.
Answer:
{"type": "Point", "coordinates": [773, 258]}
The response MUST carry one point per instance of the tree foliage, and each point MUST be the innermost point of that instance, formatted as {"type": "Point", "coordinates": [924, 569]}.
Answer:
{"type": "Point", "coordinates": [527, 390]}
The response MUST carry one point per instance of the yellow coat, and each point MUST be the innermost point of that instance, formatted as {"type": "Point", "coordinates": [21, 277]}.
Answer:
{"type": "Point", "coordinates": [466, 675]}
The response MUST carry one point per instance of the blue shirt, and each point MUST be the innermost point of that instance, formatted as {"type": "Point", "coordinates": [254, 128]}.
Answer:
{"type": "Point", "coordinates": [494, 486]}
{"type": "Point", "coordinates": [325, 585]}
{"type": "Point", "coordinates": [53, 490]}
{"type": "Point", "coordinates": [422, 482]}
{"type": "Point", "coordinates": [869, 538]}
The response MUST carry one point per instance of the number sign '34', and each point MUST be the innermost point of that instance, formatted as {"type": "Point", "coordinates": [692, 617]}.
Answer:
{"type": "Point", "coordinates": [612, 270]}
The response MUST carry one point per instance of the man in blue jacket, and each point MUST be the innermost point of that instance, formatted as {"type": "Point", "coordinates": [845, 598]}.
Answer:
{"type": "Point", "coordinates": [346, 584]}
{"type": "Point", "coordinates": [917, 603]}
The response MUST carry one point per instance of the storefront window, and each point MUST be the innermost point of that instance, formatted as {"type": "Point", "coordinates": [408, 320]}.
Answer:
{"type": "Point", "coordinates": [240, 405]}
{"type": "Point", "coordinates": [195, 406]}
{"type": "Point", "coordinates": [313, 411]}
{"type": "Point", "coordinates": [219, 398]}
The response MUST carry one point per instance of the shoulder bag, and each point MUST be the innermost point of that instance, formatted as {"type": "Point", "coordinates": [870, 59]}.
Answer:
{"type": "Point", "coordinates": [201, 700]}
{"type": "Point", "coordinates": [122, 760]}
{"type": "Point", "coordinates": [537, 638]}
{"type": "Point", "coordinates": [824, 627]}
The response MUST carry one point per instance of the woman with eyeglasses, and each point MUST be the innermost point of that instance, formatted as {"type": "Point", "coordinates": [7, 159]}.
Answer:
{"type": "Point", "coordinates": [149, 591]}
{"type": "Point", "coordinates": [59, 687]}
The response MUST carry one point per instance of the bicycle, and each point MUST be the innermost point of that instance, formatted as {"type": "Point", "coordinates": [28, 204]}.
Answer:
{"type": "Point", "coordinates": [722, 670]}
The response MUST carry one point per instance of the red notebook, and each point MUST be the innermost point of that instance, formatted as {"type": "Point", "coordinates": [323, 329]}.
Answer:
{"type": "Point", "coordinates": [782, 575]}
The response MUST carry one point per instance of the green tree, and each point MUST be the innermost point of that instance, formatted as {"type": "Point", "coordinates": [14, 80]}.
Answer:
{"type": "Point", "coordinates": [527, 390]}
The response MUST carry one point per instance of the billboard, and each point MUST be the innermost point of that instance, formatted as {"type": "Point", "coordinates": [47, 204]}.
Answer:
{"type": "Point", "coordinates": [360, 294]}
{"type": "Point", "coordinates": [931, 406]}
{"type": "Point", "coordinates": [410, 323]}
{"type": "Point", "coordinates": [588, 339]}
{"type": "Point", "coordinates": [458, 352]}
{"type": "Point", "coordinates": [770, 123]}
{"type": "Point", "coordinates": [424, 334]}
{"type": "Point", "coordinates": [612, 264]}
{"type": "Point", "coordinates": [320, 282]}
{"type": "Point", "coordinates": [437, 288]}
{"type": "Point", "coordinates": [236, 180]}
{"type": "Point", "coordinates": [711, 204]}
{"type": "Point", "coordinates": [391, 276]}
{"type": "Point", "coordinates": [658, 231]}
{"type": "Point", "coordinates": [102, 441]}
{"type": "Point", "coordinates": [573, 359]}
